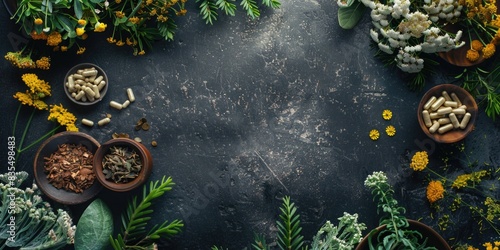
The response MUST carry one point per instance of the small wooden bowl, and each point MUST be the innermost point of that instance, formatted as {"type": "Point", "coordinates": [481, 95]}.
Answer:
{"type": "Point", "coordinates": [50, 146]}
{"type": "Point", "coordinates": [100, 72]}
{"type": "Point", "coordinates": [139, 148]}
{"type": "Point", "coordinates": [466, 99]}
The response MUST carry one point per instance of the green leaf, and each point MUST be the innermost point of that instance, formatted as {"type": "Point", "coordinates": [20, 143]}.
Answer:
{"type": "Point", "coordinates": [350, 16]}
{"type": "Point", "coordinates": [78, 9]}
{"type": "Point", "coordinates": [251, 7]}
{"type": "Point", "coordinates": [227, 6]}
{"type": "Point", "coordinates": [208, 11]}
{"type": "Point", "coordinates": [95, 226]}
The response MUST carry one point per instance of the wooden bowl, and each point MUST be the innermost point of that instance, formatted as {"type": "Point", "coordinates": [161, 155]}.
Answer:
{"type": "Point", "coordinates": [139, 148]}
{"type": "Point", "coordinates": [100, 72]}
{"type": "Point", "coordinates": [50, 146]}
{"type": "Point", "coordinates": [455, 134]}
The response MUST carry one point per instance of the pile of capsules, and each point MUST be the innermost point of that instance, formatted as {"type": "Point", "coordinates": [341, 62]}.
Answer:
{"type": "Point", "coordinates": [444, 113]}
{"type": "Point", "coordinates": [85, 85]}
{"type": "Point", "coordinates": [114, 104]}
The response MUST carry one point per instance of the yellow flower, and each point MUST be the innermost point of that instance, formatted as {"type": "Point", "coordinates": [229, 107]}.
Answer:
{"type": "Point", "coordinates": [19, 60]}
{"type": "Point", "coordinates": [100, 27]}
{"type": "Point", "coordinates": [84, 36]}
{"type": "Point", "coordinates": [390, 130]}
{"type": "Point", "coordinates": [387, 114]}
{"type": "Point", "coordinates": [181, 12]}
{"type": "Point", "coordinates": [119, 14]}
{"type": "Point", "coordinates": [419, 161]}
{"type": "Point", "coordinates": [134, 20]}
{"type": "Point", "coordinates": [62, 116]}
{"type": "Point", "coordinates": [43, 63]}
{"type": "Point", "coordinates": [374, 134]}
{"type": "Point", "coordinates": [476, 45]}
{"type": "Point", "coordinates": [37, 87]}
{"type": "Point", "coordinates": [460, 181]}
{"type": "Point", "coordinates": [118, 1]}
{"type": "Point", "coordinates": [82, 22]}
{"type": "Point", "coordinates": [111, 40]}
{"type": "Point", "coordinates": [54, 38]}
{"type": "Point", "coordinates": [35, 36]}
{"type": "Point", "coordinates": [80, 31]}
{"type": "Point", "coordinates": [142, 52]}
{"type": "Point", "coordinates": [472, 55]}
{"type": "Point", "coordinates": [81, 50]}
{"type": "Point", "coordinates": [64, 48]}
{"type": "Point", "coordinates": [38, 21]}
{"type": "Point", "coordinates": [435, 191]}
{"type": "Point", "coordinates": [30, 100]}
{"type": "Point", "coordinates": [149, 2]}
{"type": "Point", "coordinates": [120, 43]}
{"type": "Point", "coordinates": [489, 50]}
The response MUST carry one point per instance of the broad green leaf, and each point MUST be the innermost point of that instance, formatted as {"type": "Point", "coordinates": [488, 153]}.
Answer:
{"type": "Point", "coordinates": [95, 227]}
{"type": "Point", "coordinates": [349, 16]}
{"type": "Point", "coordinates": [78, 9]}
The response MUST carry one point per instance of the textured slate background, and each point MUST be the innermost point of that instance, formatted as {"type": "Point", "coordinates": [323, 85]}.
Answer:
{"type": "Point", "coordinates": [246, 112]}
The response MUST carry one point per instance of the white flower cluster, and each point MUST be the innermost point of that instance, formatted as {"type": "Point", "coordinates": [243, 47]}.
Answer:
{"type": "Point", "coordinates": [448, 10]}
{"type": "Point", "coordinates": [345, 236]}
{"type": "Point", "coordinates": [408, 33]}
{"type": "Point", "coordinates": [376, 179]}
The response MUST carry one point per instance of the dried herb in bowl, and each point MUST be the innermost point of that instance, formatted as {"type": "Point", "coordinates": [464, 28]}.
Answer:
{"type": "Point", "coordinates": [70, 168]}
{"type": "Point", "coordinates": [121, 164]}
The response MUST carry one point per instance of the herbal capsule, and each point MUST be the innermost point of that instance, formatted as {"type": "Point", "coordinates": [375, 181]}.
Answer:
{"type": "Point", "coordinates": [87, 122]}
{"type": "Point", "coordinates": [101, 85]}
{"type": "Point", "coordinates": [71, 84]}
{"type": "Point", "coordinates": [437, 103]}
{"type": "Point", "coordinates": [104, 121]}
{"type": "Point", "coordinates": [465, 121]}
{"type": "Point", "coordinates": [431, 101]}
{"type": "Point", "coordinates": [78, 77]}
{"type": "Point", "coordinates": [462, 107]}
{"type": "Point", "coordinates": [89, 72]}
{"type": "Point", "coordinates": [451, 104]}
{"type": "Point", "coordinates": [445, 128]}
{"type": "Point", "coordinates": [454, 120]}
{"type": "Point", "coordinates": [73, 94]}
{"type": "Point", "coordinates": [455, 98]}
{"type": "Point", "coordinates": [131, 96]}
{"type": "Point", "coordinates": [443, 121]}
{"type": "Point", "coordinates": [84, 97]}
{"type": "Point", "coordinates": [98, 79]}
{"type": "Point", "coordinates": [80, 95]}
{"type": "Point", "coordinates": [97, 95]}
{"type": "Point", "coordinates": [459, 111]}
{"type": "Point", "coordinates": [125, 104]}
{"type": "Point", "coordinates": [434, 127]}
{"type": "Point", "coordinates": [446, 96]}
{"type": "Point", "coordinates": [435, 115]}
{"type": "Point", "coordinates": [115, 105]}
{"type": "Point", "coordinates": [89, 91]}
{"type": "Point", "coordinates": [427, 118]}
{"type": "Point", "coordinates": [444, 111]}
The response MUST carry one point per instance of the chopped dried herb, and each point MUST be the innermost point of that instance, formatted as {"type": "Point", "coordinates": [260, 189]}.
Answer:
{"type": "Point", "coordinates": [142, 124]}
{"type": "Point", "coordinates": [121, 164]}
{"type": "Point", "coordinates": [70, 168]}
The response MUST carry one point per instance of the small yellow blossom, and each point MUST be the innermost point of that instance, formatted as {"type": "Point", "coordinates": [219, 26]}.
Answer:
{"type": "Point", "coordinates": [80, 31]}
{"type": "Point", "coordinates": [134, 20]}
{"type": "Point", "coordinates": [30, 100]}
{"type": "Point", "coordinates": [181, 12]}
{"type": "Point", "coordinates": [62, 116]}
{"type": "Point", "coordinates": [36, 36]}
{"type": "Point", "coordinates": [118, 1]}
{"type": "Point", "coordinates": [489, 50]}
{"type": "Point", "coordinates": [19, 60]}
{"type": "Point", "coordinates": [120, 43]}
{"type": "Point", "coordinates": [476, 45]}
{"type": "Point", "coordinates": [419, 161]}
{"type": "Point", "coordinates": [149, 2]}
{"type": "Point", "coordinates": [387, 114]}
{"type": "Point", "coordinates": [81, 50]}
{"type": "Point", "coordinates": [463, 179]}
{"type": "Point", "coordinates": [38, 21]}
{"type": "Point", "coordinates": [374, 134]}
{"type": "Point", "coordinates": [162, 18]}
{"type": "Point", "coordinates": [43, 63]}
{"type": "Point", "coordinates": [435, 191]}
{"type": "Point", "coordinates": [82, 22]}
{"type": "Point", "coordinates": [390, 130]}
{"type": "Point", "coordinates": [111, 40]}
{"type": "Point", "coordinates": [100, 27]}
{"type": "Point", "coordinates": [84, 36]}
{"type": "Point", "coordinates": [472, 55]}
{"type": "Point", "coordinates": [64, 48]}
{"type": "Point", "coordinates": [54, 38]}
{"type": "Point", "coordinates": [142, 52]}
{"type": "Point", "coordinates": [119, 14]}
{"type": "Point", "coordinates": [37, 86]}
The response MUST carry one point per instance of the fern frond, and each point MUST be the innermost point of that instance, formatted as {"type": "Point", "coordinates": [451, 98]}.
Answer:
{"type": "Point", "coordinates": [251, 8]}
{"type": "Point", "coordinates": [289, 227]}
{"type": "Point", "coordinates": [260, 243]}
{"type": "Point", "coordinates": [272, 3]}
{"type": "Point", "coordinates": [227, 6]}
{"type": "Point", "coordinates": [208, 11]}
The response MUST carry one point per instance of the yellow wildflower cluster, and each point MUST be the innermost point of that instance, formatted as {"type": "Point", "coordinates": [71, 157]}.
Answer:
{"type": "Point", "coordinates": [493, 210]}
{"type": "Point", "coordinates": [462, 180]}
{"type": "Point", "coordinates": [19, 60]}
{"type": "Point", "coordinates": [492, 246]}
{"type": "Point", "coordinates": [485, 14]}
{"type": "Point", "coordinates": [435, 191]}
{"type": "Point", "coordinates": [54, 38]}
{"type": "Point", "coordinates": [38, 89]}
{"type": "Point", "coordinates": [100, 27]}
{"type": "Point", "coordinates": [63, 117]}
{"type": "Point", "coordinates": [419, 161]}
{"type": "Point", "coordinates": [43, 63]}
{"type": "Point", "coordinates": [374, 134]}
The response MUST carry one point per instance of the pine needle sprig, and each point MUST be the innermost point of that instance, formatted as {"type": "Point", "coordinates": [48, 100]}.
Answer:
{"type": "Point", "coordinates": [208, 11]}
{"type": "Point", "coordinates": [250, 6]}
{"type": "Point", "coordinates": [260, 243]}
{"type": "Point", "coordinates": [227, 6]}
{"type": "Point", "coordinates": [289, 227]}
{"type": "Point", "coordinates": [136, 218]}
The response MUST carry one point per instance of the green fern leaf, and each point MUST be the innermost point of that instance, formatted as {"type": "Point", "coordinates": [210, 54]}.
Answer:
{"type": "Point", "coordinates": [289, 227]}
{"type": "Point", "coordinates": [260, 243]}
{"type": "Point", "coordinates": [272, 3]}
{"type": "Point", "coordinates": [251, 8]}
{"type": "Point", "coordinates": [227, 6]}
{"type": "Point", "coordinates": [208, 11]}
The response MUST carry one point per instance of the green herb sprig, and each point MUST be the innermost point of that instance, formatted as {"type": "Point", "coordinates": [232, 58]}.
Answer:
{"type": "Point", "coordinates": [209, 9]}
{"type": "Point", "coordinates": [136, 218]}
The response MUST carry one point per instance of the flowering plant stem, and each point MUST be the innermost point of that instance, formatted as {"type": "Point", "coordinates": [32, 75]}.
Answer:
{"type": "Point", "coordinates": [19, 148]}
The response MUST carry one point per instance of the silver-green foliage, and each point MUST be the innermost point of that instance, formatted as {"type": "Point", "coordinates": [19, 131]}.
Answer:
{"type": "Point", "coordinates": [344, 236]}
{"type": "Point", "coordinates": [94, 227]}
{"type": "Point", "coordinates": [37, 225]}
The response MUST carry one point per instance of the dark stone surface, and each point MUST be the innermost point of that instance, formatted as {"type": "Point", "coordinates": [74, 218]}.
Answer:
{"type": "Point", "coordinates": [246, 112]}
